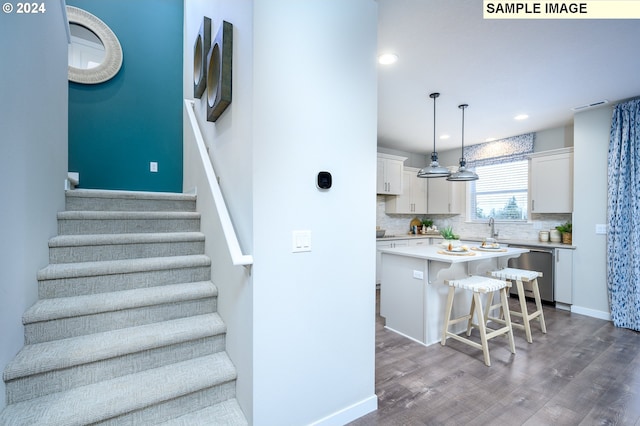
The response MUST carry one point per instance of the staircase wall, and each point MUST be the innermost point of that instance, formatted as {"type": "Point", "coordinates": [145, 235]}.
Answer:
{"type": "Point", "coordinates": [304, 100]}
{"type": "Point", "coordinates": [33, 160]}
{"type": "Point", "coordinates": [229, 140]}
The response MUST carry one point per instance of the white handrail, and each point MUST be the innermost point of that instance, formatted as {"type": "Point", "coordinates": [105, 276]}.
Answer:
{"type": "Point", "coordinates": [235, 251]}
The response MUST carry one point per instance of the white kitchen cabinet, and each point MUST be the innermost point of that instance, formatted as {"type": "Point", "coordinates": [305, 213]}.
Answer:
{"type": "Point", "coordinates": [386, 244]}
{"type": "Point", "coordinates": [444, 197]}
{"type": "Point", "coordinates": [551, 181]}
{"type": "Point", "coordinates": [420, 242]}
{"type": "Point", "coordinates": [413, 199]}
{"type": "Point", "coordinates": [563, 277]}
{"type": "Point", "coordinates": [389, 175]}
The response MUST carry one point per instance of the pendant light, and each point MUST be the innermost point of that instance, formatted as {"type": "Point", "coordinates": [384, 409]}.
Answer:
{"type": "Point", "coordinates": [463, 175]}
{"type": "Point", "coordinates": [434, 170]}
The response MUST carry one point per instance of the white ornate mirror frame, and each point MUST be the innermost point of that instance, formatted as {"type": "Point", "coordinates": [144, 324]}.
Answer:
{"type": "Point", "coordinates": [112, 62]}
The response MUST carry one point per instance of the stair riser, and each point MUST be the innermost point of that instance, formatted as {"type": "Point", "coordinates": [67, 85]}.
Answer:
{"type": "Point", "coordinates": [68, 287]}
{"type": "Point", "coordinates": [124, 251]}
{"type": "Point", "coordinates": [125, 226]}
{"type": "Point", "coordinates": [119, 204]}
{"type": "Point", "coordinates": [176, 407]}
{"type": "Point", "coordinates": [26, 388]}
{"type": "Point", "coordinates": [78, 326]}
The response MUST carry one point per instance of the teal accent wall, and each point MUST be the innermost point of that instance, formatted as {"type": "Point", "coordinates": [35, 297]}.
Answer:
{"type": "Point", "coordinates": [118, 127]}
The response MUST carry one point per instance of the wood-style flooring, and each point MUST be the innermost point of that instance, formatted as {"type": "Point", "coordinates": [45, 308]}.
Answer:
{"type": "Point", "coordinates": [584, 371]}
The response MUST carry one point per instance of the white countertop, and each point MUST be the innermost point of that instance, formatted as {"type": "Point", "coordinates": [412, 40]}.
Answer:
{"type": "Point", "coordinates": [508, 241]}
{"type": "Point", "coordinates": [435, 252]}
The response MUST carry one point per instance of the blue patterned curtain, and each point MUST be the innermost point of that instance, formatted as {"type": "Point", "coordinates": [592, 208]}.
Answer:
{"type": "Point", "coordinates": [623, 211]}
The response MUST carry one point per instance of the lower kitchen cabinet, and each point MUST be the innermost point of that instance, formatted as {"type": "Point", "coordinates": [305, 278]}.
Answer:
{"type": "Point", "coordinates": [420, 242]}
{"type": "Point", "coordinates": [396, 243]}
{"type": "Point", "coordinates": [386, 244]}
{"type": "Point", "coordinates": [563, 277]}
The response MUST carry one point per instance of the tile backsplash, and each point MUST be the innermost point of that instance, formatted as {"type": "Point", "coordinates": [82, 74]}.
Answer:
{"type": "Point", "coordinates": [398, 224]}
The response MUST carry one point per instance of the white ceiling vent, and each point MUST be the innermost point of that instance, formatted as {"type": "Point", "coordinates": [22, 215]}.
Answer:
{"type": "Point", "coordinates": [591, 105]}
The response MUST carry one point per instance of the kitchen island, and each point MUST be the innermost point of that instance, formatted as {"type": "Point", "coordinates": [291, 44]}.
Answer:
{"type": "Point", "coordinates": [413, 294]}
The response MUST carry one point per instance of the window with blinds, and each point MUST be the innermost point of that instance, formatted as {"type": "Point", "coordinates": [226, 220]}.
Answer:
{"type": "Point", "coordinates": [500, 192]}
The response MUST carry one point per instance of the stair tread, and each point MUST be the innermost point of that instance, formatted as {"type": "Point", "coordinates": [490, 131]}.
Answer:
{"type": "Point", "coordinates": [124, 214]}
{"type": "Point", "coordinates": [65, 307]}
{"type": "Point", "coordinates": [110, 398]}
{"type": "Point", "coordinates": [226, 413]}
{"type": "Point", "coordinates": [135, 195]}
{"type": "Point", "coordinates": [57, 354]}
{"type": "Point", "coordinates": [111, 267]}
{"type": "Point", "coordinates": [133, 238]}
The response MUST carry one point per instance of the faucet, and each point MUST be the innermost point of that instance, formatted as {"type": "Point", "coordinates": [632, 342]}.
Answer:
{"type": "Point", "coordinates": [492, 224]}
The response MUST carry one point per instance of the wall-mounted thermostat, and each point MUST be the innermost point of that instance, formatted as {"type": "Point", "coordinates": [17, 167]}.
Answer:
{"type": "Point", "coordinates": [324, 180]}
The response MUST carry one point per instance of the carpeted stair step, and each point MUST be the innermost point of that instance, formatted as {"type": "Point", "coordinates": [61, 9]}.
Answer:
{"type": "Point", "coordinates": [91, 248]}
{"type": "Point", "coordinates": [64, 317]}
{"type": "Point", "coordinates": [77, 279]}
{"type": "Point", "coordinates": [104, 200]}
{"type": "Point", "coordinates": [59, 365]}
{"type": "Point", "coordinates": [117, 222]}
{"type": "Point", "coordinates": [227, 413]}
{"type": "Point", "coordinates": [147, 397]}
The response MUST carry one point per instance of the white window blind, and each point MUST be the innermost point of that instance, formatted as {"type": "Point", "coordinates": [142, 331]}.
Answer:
{"type": "Point", "coordinates": [501, 191]}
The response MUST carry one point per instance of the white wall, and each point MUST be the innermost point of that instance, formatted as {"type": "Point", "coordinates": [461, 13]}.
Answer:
{"type": "Point", "coordinates": [33, 160]}
{"type": "Point", "coordinates": [556, 138]}
{"type": "Point", "coordinates": [591, 145]}
{"type": "Point", "coordinates": [315, 105]}
{"type": "Point", "coordinates": [230, 142]}
{"type": "Point", "coordinates": [301, 328]}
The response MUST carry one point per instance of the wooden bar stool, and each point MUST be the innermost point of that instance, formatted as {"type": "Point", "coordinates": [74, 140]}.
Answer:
{"type": "Point", "coordinates": [523, 278]}
{"type": "Point", "coordinates": [478, 285]}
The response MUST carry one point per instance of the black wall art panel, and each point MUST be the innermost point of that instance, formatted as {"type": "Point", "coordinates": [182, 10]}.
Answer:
{"type": "Point", "coordinates": [200, 51]}
{"type": "Point", "coordinates": [219, 66]}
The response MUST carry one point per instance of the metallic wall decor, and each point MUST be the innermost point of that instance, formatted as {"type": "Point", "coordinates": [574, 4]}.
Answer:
{"type": "Point", "coordinates": [200, 51]}
{"type": "Point", "coordinates": [219, 66]}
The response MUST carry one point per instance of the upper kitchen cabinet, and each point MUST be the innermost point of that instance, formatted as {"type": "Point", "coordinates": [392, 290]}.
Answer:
{"type": "Point", "coordinates": [413, 199]}
{"type": "Point", "coordinates": [390, 174]}
{"type": "Point", "coordinates": [551, 181]}
{"type": "Point", "coordinates": [444, 197]}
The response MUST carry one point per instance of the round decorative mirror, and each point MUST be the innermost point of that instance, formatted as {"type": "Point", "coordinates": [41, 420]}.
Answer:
{"type": "Point", "coordinates": [95, 54]}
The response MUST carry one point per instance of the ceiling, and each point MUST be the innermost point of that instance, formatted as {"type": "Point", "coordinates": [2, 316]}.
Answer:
{"type": "Point", "coordinates": [501, 68]}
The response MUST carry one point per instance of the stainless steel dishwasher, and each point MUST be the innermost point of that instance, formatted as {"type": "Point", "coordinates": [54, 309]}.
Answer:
{"type": "Point", "coordinates": [537, 259]}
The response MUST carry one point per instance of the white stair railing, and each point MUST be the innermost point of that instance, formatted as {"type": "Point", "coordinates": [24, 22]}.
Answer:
{"type": "Point", "coordinates": [237, 257]}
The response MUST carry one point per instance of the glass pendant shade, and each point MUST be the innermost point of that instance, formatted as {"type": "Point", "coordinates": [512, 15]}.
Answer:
{"type": "Point", "coordinates": [434, 170]}
{"type": "Point", "coordinates": [463, 175]}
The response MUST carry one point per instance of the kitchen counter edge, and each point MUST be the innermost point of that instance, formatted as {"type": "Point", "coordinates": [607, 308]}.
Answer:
{"type": "Point", "coordinates": [515, 242]}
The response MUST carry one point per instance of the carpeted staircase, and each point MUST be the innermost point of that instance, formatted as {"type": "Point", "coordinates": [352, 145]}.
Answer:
{"type": "Point", "coordinates": [125, 330]}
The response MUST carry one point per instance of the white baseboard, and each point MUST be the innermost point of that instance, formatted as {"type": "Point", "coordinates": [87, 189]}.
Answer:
{"type": "Point", "coordinates": [350, 413]}
{"type": "Point", "coordinates": [591, 312]}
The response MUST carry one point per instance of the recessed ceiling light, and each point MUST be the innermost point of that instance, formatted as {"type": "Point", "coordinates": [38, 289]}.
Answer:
{"type": "Point", "coordinates": [445, 136]}
{"type": "Point", "coordinates": [521, 117]}
{"type": "Point", "coordinates": [387, 58]}
{"type": "Point", "coordinates": [490, 139]}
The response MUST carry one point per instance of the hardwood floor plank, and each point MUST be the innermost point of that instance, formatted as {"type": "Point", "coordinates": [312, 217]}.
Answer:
{"type": "Point", "coordinates": [584, 371]}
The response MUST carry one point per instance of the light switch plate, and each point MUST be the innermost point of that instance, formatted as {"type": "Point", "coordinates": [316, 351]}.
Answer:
{"type": "Point", "coordinates": [301, 241]}
{"type": "Point", "coordinates": [153, 167]}
{"type": "Point", "coordinates": [601, 228]}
